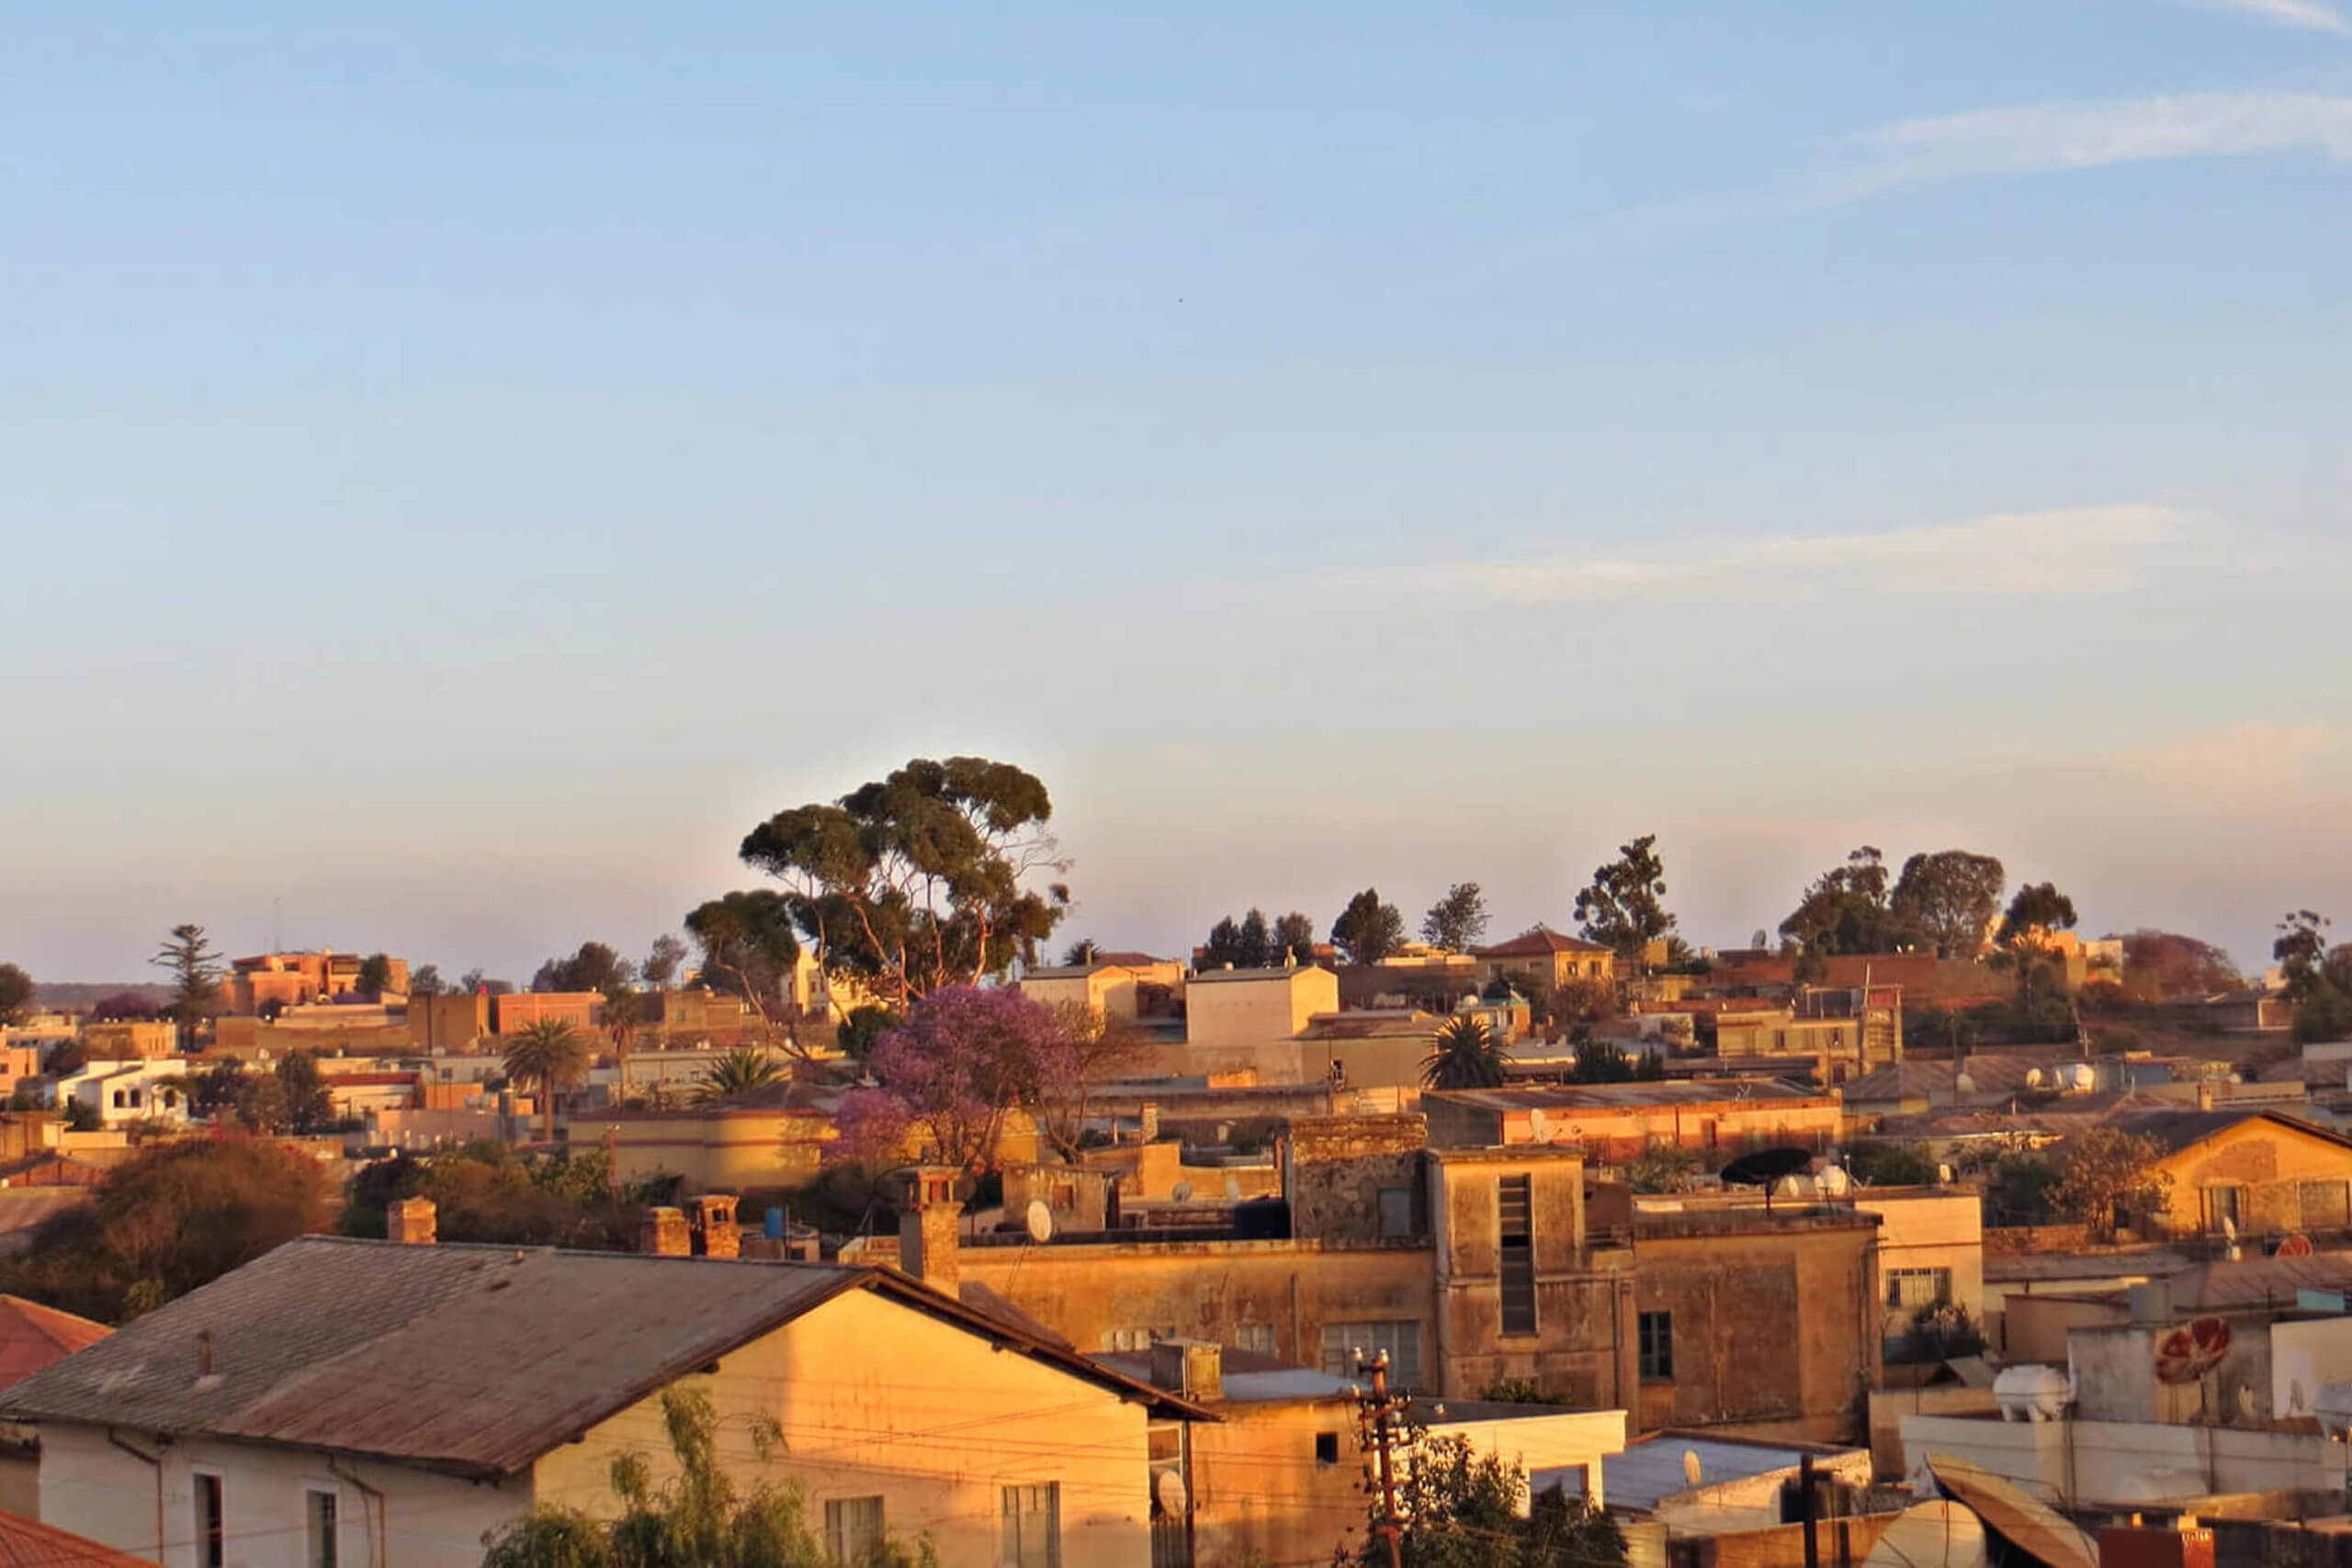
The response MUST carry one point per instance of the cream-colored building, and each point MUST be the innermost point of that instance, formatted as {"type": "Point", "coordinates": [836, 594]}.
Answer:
{"type": "Point", "coordinates": [1110, 987]}
{"type": "Point", "coordinates": [1253, 1007]}
{"type": "Point", "coordinates": [338, 1404]}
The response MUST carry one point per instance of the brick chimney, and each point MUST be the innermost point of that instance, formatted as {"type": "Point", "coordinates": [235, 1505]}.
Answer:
{"type": "Point", "coordinates": [414, 1222]}
{"type": "Point", "coordinates": [663, 1234]}
{"type": "Point", "coordinates": [715, 1227]}
{"type": "Point", "coordinates": [928, 1210]}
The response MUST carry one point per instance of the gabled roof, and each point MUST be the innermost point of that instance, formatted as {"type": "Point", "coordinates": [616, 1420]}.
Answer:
{"type": "Point", "coordinates": [28, 1543]}
{"type": "Point", "coordinates": [33, 1336]}
{"type": "Point", "coordinates": [344, 1345]}
{"type": "Point", "coordinates": [1538, 943]}
{"type": "Point", "coordinates": [2178, 1130]}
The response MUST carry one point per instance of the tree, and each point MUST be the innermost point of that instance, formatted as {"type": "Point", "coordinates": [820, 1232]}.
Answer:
{"type": "Point", "coordinates": [2106, 1173]}
{"type": "Point", "coordinates": [475, 983]}
{"type": "Point", "coordinates": [15, 995]}
{"type": "Point", "coordinates": [426, 981]}
{"type": "Point", "coordinates": [195, 967]}
{"type": "Point", "coordinates": [1467, 1055]}
{"type": "Point", "coordinates": [1662, 1167]}
{"type": "Point", "coordinates": [663, 962]}
{"type": "Point", "coordinates": [1089, 1050]}
{"type": "Point", "coordinates": [1456, 921]}
{"type": "Point", "coordinates": [737, 1073]}
{"type": "Point", "coordinates": [122, 1007]}
{"type": "Point", "coordinates": [2035, 915]}
{"type": "Point", "coordinates": [483, 1192]}
{"type": "Point", "coordinates": [697, 1518]}
{"type": "Point", "coordinates": [375, 977]}
{"type": "Point", "coordinates": [1293, 939]}
{"type": "Point", "coordinates": [749, 948]}
{"type": "Point", "coordinates": [921, 880]}
{"type": "Point", "coordinates": [1367, 930]}
{"type": "Point", "coordinates": [1603, 1061]}
{"type": "Point", "coordinates": [1085, 950]}
{"type": "Point", "coordinates": [1461, 1509]}
{"type": "Point", "coordinates": [946, 1076]}
{"type": "Point", "coordinates": [1845, 909]}
{"type": "Point", "coordinates": [1623, 906]}
{"type": "Point", "coordinates": [1255, 940]}
{"type": "Point", "coordinates": [2300, 952]}
{"type": "Point", "coordinates": [595, 967]}
{"type": "Point", "coordinates": [171, 1218]}
{"type": "Point", "coordinates": [1890, 1162]}
{"type": "Point", "coordinates": [309, 1108]}
{"type": "Point", "coordinates": [2160, 964]}
{"type": "Point", "coordinates": [547, 1057]}
{"type": "Point", "coordinates": [863, 1026]}
{"type": "Point", "coordinates": [1950, 898]}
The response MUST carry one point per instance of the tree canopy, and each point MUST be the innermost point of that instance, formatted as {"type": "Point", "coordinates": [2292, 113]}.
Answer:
{"type": "Point", "coordinates": [1456, 923]}
{"type": "Point", "coordinates": [15, 995]}
{"type": "Point", "coordinates": [663, 962]}
{"type": "Point", "coordinates": [1845, 909]}
{"type": "Point", "coordinates": [1367, 930]}
{"type": "Point", "coordinates": [2023, 942]}
{"type": "Point", "coordinates": [1623, 906]}
{"type": "Point", "coordinates": [749, 948]}
{"type": "Point", "coordinates": [2159, 964]}
{"type": "Point", "coordinates": [921, 880]}
{"type": "Point", "coordinates": [1466, 1055]}
{"type": "Point", "coordinates": [547, 1057]}
{"type": "Point", "coordinates": [945, 1077]}
{"type": "Point", "coordinates": [595, 967]}
{"type": "Point", "coordinates": [2104, 1173]}
{"type": "Point", "coordinates": [195, 967]}
{"type": "Point", "coordinates": [1949, 897]}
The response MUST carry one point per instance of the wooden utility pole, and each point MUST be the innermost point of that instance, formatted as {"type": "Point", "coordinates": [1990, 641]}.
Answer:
{"type": "Point", "coordinates": [1377, 1411]}
{"type": "Point", "coordinates": [1806, 1509]}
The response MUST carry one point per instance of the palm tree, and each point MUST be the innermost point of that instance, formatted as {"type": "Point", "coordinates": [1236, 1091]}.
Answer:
{"type": "Point", "coordinates": [738, 1073]}
{"type": "Point", "coordinates": [547, 1057]}
{"type": "Point", "coordinates": [1467, 1055]}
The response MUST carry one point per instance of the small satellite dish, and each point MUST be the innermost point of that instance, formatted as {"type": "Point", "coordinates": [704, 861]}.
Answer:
{"type": "Point", "coordinates": [2229, 1227]}
{"type": "Point", "coordinates": [1041, 1221]}
{"type": "Point", "coordinates": [1169, 1487]}
{"type": "Point", "coordinates": [1963, 1084]}
{"type": "Point", "coordinates": [1539, 1126]}
{"type": "Point", "coordinates": [1691, 1469]}
{"type": "Point", "coordinates": [1943, 1176]}
{"type": "Point", "coordinates": [2033, 1077]}
{"type": "Point", "coordinates": [2296, 1245]}
{"type": "Point", "coordinates": [1182, 1193]}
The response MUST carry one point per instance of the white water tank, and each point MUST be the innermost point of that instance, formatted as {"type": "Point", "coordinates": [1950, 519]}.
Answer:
{"type": "Point", "coordinates": [2031, 1392]}
{"type": "Point", "coordinates": [1831, 1182]}
{"type": "Point", "coordinates": [2077, 1078]}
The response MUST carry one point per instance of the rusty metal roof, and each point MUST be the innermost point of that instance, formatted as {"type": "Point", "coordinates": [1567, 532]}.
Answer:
{"type": "Point", "coordinates": [474, 1359]}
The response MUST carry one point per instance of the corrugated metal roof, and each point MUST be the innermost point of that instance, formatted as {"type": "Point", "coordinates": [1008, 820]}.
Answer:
{"type": "Point", "coordinates": [1623, 1095]}
{"type": "Point", "coordinates": [1651, 1470]}
{"type": "Point", "coordinates": [471, 1359]}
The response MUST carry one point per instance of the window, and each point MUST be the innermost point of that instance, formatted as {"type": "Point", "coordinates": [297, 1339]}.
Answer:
{"type": "Point", "coordinates": [1138, 1338]}
{"type": "Point", "coordinates": [1917, 1287]}
{"type": "Point", "coordinates": [1327, 1448]}
{"type": "Point", "coordinates": [1031, 1534]}
{"type": "Point", "coordinates": [1396, 1214]}
{"type": "Point", "coordinates": [1258, 1336]}
{"type": "Point", "coordinates": [1401, 1339]}
{"type": "Point", "coordinates": [211, 1535]}
{"type": "Point", "coordinates": [853, 1530]}
{"type": "Point", "coordinates": [2221, 1204]}
{"type": "Point", "coordinates": [1517, 1232]}
{"type": "Point", "coordinates": [1657, 1346]}
{"type": "Point", "coordinates": [319, 1512]}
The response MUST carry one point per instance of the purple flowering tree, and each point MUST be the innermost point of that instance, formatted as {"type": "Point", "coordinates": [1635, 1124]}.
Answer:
{"type": "Point", "coordinates": [945, 1077]}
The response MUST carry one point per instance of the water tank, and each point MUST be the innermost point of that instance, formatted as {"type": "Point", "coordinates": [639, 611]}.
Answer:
{"type": "Point", "coordinates": [2333, 1406]}
{"type": "Point", "coordinates": [2077, 1078]}
{"type": "Point", "coordinates": [1831, 1182]}
{"type": "Point", "coordinates": [2031, 1392]}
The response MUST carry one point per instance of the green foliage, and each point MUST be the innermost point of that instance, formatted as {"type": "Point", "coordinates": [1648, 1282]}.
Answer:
{"type": "Point", "coordinates": [175, 1217]}
{"type": "Point", "coordinates": [1513, 1391]}
{"type": "Point", "coordinates": [1846, 910]}
{"type": "Point", "coordinates": [749, 947]}
{"type": "Point", "coordinates": [1367, 930]}
{"type": "Point", "coordinates": [484, 1193]}
{"type": "Point", "coordinates": [2019, 1187]}
{"type": "Point", "coordinates": [1467, 1057]}
{"type": "Point", "coordinates": [1662, 1167]}
{"type": "Point", "coordinates": [2023, 941]}
{"type": "Point", "coordinates": [738, 1073]}
{"type": "Point", "coordinates": [2158, 965]}
{"type": "Point", "coordinates": [862, 1028]}
{"type": "Point", "coordinates": [1603, 1061]}
{"type": "Point", "coordinates": [1938, 1332]}
{"type": "Point", "coordinates": [595, 967]}
{"type": "Point", "coordinates": [1890, 1162]}
{"type": "Point", "coordinates": [700, 1517]}
{"type": "Point", "coordinates": [426, 981]}
{"type": "Point", "coordinates": [1950, 898]}
{"type": "Point", "coordinates": [2301, 950]}
{"type": "Point", "coordinates": [2324, 1013]}
{"type": "Point", "coordinates": [1085, 950]}
{"type": "Point", "coordinates": [15, 995]}
{"type": "Point", "coordinates": [1623, 906]}
{"type": "Point", "coordinates": [663, 962]}
{"type": "Point", "coordinates": [1461, 1511]}
{"type": "Point", "coordinates": [81, 1116]}
{"type": "Point", "coordinates": [921, 880]}
{"type": "Point", "coordinates": [308, 1105]}
{"type": "Point", "coordinates": [1293, 939]}
{"type": "Point", "coordinates": [547, 1058]}
{"type": "Point", "coordinates": [375, 977]}
{"type": "Point", "coordinates": [2104, 1172]}
{"type": "Point", "coordinates": [195, 967]}
{"type": "Point", "coordinates": [1456, 921]}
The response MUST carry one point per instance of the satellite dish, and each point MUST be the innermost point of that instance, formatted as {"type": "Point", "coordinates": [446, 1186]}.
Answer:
{"type": "Point", "coordinates": [1963, 1084]}
{"type": "Point", "coordinates": [2296, 1245]}
{"type": "Point", "coordinates": [2033, 1077]}
{"type": "Point", "coordinates": [1691, 1470]}
{"type": "Point", "coordinates": [1181, 1192]}
{"type": "Point", "coordinates": [1539, 1126]}
{"type": "Point", "coordinates": [1041, 1221]}
{"type": "Point", "coordinates": [1930, 1535]}
{"type": "Point", "coordinates": [1169, 1487]}
{"type": "Point", "coordinates": [2229, 1227]}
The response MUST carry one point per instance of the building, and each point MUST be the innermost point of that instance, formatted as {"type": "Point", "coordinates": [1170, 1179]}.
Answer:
{"type": "Point", "coordinates": [765, 1139]}
{"type": "Point", "coordinates": [1613, 1122]}
{"type": "Point", "coordinates": [1546, 961]}
{"type": "Point", "coordinates": [1121, 985]}
{"type": "Point", "coordinates": [517, 1010]}
{"type": "Point", "coordinates": [33, 1337]}
{"type": "Point", "coordinates": [130, 1040]}
{"type": "Point", "coordinates": [2249, 1172]}
{"type": "Point", "coordinates": [374, 1402]}
{"type": "Point", "coordinates": [1241, 1008]}
{"type": "Point", "coordinates": [271, 980]}
{"type": "Point", "coordinates": [125, 1092]}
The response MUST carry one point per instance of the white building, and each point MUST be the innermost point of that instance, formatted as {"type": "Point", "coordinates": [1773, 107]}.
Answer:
{"type": "Point", "coordinates": [125, 1092]}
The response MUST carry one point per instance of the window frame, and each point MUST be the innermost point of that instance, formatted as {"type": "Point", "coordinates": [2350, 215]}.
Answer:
{"type": "Point", "coordinates": [314, 1493]}
{"type": "Point", "coordinates": [1654, 1346]}
{"type": "Point", "coordinates": [213, 1524]}
{"type": "Point", "coordinates": [838, 1523]}
{"type": "Point", "coordinates": [1515, 1254]}
{"type": "Point", "coordinates": [1010, 1550]}
{"type": "Point", "coordinates": [1938, 1278]}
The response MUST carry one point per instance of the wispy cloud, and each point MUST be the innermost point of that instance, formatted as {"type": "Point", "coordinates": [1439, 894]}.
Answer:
{"type": "Point", "coordinates": [2306, 14]}
{"type": "Point", "coordinates": [2070, 551]}
{"type": "Point", "coordinates": [2053, 137]}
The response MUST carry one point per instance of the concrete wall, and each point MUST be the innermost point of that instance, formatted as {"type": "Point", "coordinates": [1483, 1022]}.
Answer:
{"type": "Point", "coordinates": [874, 1399]}
{"type": "Point", "coordinates": [1928, 1229]}
{"type": "Point", "coordinates": [2304, 1358]}
{"type": "Point", "coordinates": [1888, 1406]}
{"type": "Point", "coordinates": [2286, 1181]}
{"type": "Point", "coordinates": [1246, 1007]}
{"type": "Point", "coordinates": [1620, 1133]}
{"type": "Point", "coordinates": [2122, 1463]}
{"type": "Point", "coordinates": [1336, 1167]}
{"type": "Point", "coordinates": [712, 1149]}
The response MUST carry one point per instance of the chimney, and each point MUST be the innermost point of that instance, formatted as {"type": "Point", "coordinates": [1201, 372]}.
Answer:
{"type": "Point", "coordinates": [662, 1234]}
{"type": "Point", "coordinates": [1150, 1122]}
{"type": "Point", "coordinates": [1194, 1367]}
{"type": "Point", "coordinates": [415, 1222]}
{"type": "Point", "coordinates": [714, 1226]}
{"type": "Point", "coordinates": [927, 1232]}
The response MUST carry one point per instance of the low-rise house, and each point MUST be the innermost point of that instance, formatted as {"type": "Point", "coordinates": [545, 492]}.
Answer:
{"type": "Point", "coordinates": [1705, 1483]}
{"type": "Point", "coordinates": [1614, 1123]}
{"type": "Point", "coordinates": [1543, 960]}
{"type": "Point", "coordinates": [517, 1010]}
{"type": "Point", "coordinates": [1111, 986]}
{"type": "Point", "coordinates": [2256, 1173]}
{"type": "Point", "coordinates": [1227, 1009]}
{"type": "Point", "coordinates": [121, 1093]}
{"type": "Point", "coordinates": [307, 1406]}
{"type": "Point", "coordinates": [773, 1137]}
{"type": "Point", "coordinates": [33, 1337]}
{"type": "Point", "coordinates": [130, 1039]}
{"type": "Point", "coordinates": [269, 980]}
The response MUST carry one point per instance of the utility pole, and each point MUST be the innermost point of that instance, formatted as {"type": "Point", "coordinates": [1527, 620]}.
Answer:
{"type": "Point", "coordinates": [1806, 1509]}
{"type": "Point", "coordinates": [1377, 1412]}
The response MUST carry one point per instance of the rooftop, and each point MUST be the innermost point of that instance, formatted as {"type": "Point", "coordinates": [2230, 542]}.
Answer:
{"type": "Point", "coordinates": [1626, 1096]}
{"type": "Point", "coordinates": [334, 1344]}
{"type": "Point", "coordinates": [1538, 943]}
{"type": "Point", "coordinates": [33, 1336]}
{"type": "Point", "coordinates": [1652, 1469]}
{"type": "Point", "coordinates": [27, 1543]}
{"type": "Point", "coordinates": [1233, 976]}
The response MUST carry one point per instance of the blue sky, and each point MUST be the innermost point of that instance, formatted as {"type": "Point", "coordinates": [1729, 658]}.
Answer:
{"type": "Point", "coordinates": [461, 469]}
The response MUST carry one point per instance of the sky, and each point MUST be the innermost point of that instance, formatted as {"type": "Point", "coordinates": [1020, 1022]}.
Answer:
{"type": "Point", "coordinates": [461, 467]}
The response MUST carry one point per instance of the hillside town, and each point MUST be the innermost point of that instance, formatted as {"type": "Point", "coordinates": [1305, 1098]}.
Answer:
{"type": "Point", "coordinates": [883, 1216]}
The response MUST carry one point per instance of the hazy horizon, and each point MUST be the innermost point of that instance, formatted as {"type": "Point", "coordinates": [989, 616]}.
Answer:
{"type": "Point", "coordinates": [463, 469]}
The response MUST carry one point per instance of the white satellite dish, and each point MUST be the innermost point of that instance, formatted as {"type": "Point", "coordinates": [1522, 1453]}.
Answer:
{"type": "Point", "coordinates": [1930, 1535]}
{"type": "Point", "coordinates": [2229, 1227]}
{"type": "Point", "coordinates": [1041, 1221]}
{"type": "Point", "coordinates": [1181, 1192]}
{"type": "Point", "coordinates": [1539, 1126]}
{"type": "Point", "coordinates": [1169, 1487]}
{"type": "Point", "coordinates": [2033, 1077]}
{"type": "Point", "coordinates": [1963, 1084]}
{"type": "Point", "coordinates": [1691, 1470]}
